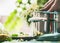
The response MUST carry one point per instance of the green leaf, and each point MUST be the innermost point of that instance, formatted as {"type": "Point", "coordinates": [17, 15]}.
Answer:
{"type": "Point", "coordinates": [29, 1]}
{"type": "Point", "coordinates": [9, 19]}
{"type": "Point", "coordinates": [24, 8]}
{"type": "Point", "coordinates": [13, 24]}
{"type": "Point", "coordinates": [19, 1]}
{"type": "Point", "coordinates": [14, 35]}
{"type": "Point", "coordinates": [39, 2]}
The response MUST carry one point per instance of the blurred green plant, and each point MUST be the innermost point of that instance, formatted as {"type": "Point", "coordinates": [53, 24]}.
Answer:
{"type": "Point", "coordinates": [14, 35]}
{"type": "Point", "coordinates": [19, 1]}
{"type": "Point", "coordinates": [41, 3]}
{"type": "Point", "coordinates": [12, 21]}
{"type": "Point", "coordinates": [9, 19]}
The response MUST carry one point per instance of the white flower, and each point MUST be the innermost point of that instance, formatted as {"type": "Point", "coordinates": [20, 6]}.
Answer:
{"type": "Point", "coordinates": [28, 6]}
{"type": "Point", "coordinates": [24, 1]}
{"type": "Point", "coordinates": [22, 5]}
{"type": "Point", "coordinates": [33, 1]}
{"type": "Point", "coordinates": [19, 10]}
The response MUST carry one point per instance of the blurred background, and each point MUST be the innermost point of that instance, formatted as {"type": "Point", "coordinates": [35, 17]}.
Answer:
{"type": "Point", "coordinates": [14, 14]}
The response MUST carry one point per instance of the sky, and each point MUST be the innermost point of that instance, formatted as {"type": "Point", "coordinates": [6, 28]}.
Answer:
{"type": "Point", "coordinates": [7, 6]}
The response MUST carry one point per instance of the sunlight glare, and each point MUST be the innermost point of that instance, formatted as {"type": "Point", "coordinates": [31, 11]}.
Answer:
{"type": "Point", "coordinates": [7, 6]}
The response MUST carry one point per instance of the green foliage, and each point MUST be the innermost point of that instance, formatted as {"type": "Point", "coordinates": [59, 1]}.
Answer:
{"type": "Point", "coordinates": [13, 24]}
{"type": "Point", "coordinates": [5, 38]}
{"type": "Point", "coordinates": [29, 1]}
{"type": "Point", "coordinates": [21, 33]}
{"type": "Point", "coordinates": [19, 1]}
{"type": "Point", "coordinates": [12, 21]}
{"type": "Point", "coordinates": [28, 16]}
{"type": "Point", "coordinates": [41, 3]}
{"type": "Point", "coordinates": [14, 35]}
{"type": "Point", "coordinates": [9, 19]}
{"type": "Point", "coordinates": [24, 8]}
{"type": "Point", "coordinates": [9, 39]}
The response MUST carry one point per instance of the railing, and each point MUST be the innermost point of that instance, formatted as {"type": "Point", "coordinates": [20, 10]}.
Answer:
{"type": "Point", "coordinates": [43, 21]}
